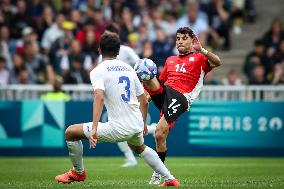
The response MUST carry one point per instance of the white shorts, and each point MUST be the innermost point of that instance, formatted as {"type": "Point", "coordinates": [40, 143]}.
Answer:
{"type": "Point", "coordinates": [107, 133]}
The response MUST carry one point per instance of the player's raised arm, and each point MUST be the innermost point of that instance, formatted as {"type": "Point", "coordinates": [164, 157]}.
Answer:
{"type": "Point", "coordinates": [213, 59]}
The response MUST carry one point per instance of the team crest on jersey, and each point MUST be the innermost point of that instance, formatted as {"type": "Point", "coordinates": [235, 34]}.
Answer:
{"type": "Point", "coordinates": [191, 59]}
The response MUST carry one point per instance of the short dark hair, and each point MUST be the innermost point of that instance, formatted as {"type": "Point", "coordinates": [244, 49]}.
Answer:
{"type": "Point", "coordinates": [185, 30]}
{"type": "Point", "coordinates": [109, 44]}
{"type": "Point", "coordinates": [259, 42]}
{"type": "Point", "coordinates": [112, 28]}
{"type": "Point", "coordinates": [2, 60]}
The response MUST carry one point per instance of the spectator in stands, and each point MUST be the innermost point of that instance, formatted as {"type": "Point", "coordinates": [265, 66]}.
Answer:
{"type": "Point", "coordinates": [45, 21]}
{"type": "Point", "coordinates": [8, 10]}
{"type": "Point", "coordinates": [18, 65]}
{"type": "Point", "coordinates": [116, 9]}
{"type": "Point", "coordinates": [232, 79]}
{"type": "Point", "coordinates": [162, 48]}
{"type": "Point", "coordinates": [75, 51]}
{"type": "Point", "coordinates": [28, 34]}
{"type": "Point", "coordinates": [66, 8]}
{"type": "Point", "coordinates": [127, 26]}
{"type": "Point", "coordinates": [237, 15]}
{"type": "Point", "coordinates": [37, 65]}
{"type": "Point", "coordinates": [52, 33]}
{"type": "Point", "coordinates": [77, 19]}
{"type": "Point", "coordinates": [76, 74]}
{"type": "Point", "coordinates": [171, 18]}
{"type": "Point", "coordinates": [106, 10]}
{"type": "Point", "coordinates": [57, 94]}
{"type": "Point", "coordinates": [147, 50]}
{"type": "Point", "coordinates": [4, 73]}
{"type": "Point", "coordinates": [258, 76]}
{"type": "Point", "coordinates": [159, 22]}
{"type": "Point", "coordinates": [23, 77]}
{"type": "Point", "coordinates": [218, 15]}
{"type": "Point", "coordinates": [278, 74]}
{"type": "Point", "coordinates": [100, 23]}
{"type": "Point", "coordinates": [273, 37]}
{"type": "Point", "coordinates": [133, 42]}
{"type": "Point", "coordinates": [254, 58]}
{"type": "Point", "coordinates": [5, 46]}
{"type": "Point", "coordinates": [21, 19]}
{"type": "Point", "coordinates": [196, 20]}
{"type": "Point", "coordinates": [89, 25]}
{"type": "Point", "coordinates": [250, 11]}
{"type": "Point", "coordinates": [144, 34]}
{"type": "Point", "coordinates": [90, 47]}
{"type": "Point", "coordinates": [60, 46]}
{"type": "Point", "coordinates": [177, 8]}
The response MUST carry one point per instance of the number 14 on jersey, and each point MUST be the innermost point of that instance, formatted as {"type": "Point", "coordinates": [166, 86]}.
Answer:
{"type": "Point", "coordinates": [180, 68]}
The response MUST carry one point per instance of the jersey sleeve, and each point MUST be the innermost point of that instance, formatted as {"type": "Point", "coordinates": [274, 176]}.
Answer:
{"type": "Point", "coordinates": [97, 79]}
{"type": "Point", "coordinates": [164, 76]}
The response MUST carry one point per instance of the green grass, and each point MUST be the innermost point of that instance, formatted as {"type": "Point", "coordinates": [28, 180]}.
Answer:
{"type": "Point", "coordinates": [106, 173]}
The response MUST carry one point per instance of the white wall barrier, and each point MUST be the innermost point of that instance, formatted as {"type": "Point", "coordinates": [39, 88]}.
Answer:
{"type": "Point", "coordinates": [209, 92]}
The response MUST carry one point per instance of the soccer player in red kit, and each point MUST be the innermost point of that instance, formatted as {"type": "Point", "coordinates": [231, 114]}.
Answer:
{"type": "Point", "coordinates": [179, 84]}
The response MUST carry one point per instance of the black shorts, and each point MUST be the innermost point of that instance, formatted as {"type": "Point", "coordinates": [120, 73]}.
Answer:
{"type": "Point", "coordinates": [171, 103]}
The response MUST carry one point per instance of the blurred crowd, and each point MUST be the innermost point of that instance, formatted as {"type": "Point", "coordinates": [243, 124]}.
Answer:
{"type": "Point", "coordinates": [40, 40]}
{"type": "Point", "coordinates": [265, 63]}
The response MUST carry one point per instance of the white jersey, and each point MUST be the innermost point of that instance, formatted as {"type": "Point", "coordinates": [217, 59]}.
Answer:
{"type": "Point", "coordinates": [126, 54]}
{"type": "Point", "coordinates": [121, 87]}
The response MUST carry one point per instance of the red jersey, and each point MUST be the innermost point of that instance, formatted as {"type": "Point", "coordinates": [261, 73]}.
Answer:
{"type": "Point", "coordinates": [186, 73]}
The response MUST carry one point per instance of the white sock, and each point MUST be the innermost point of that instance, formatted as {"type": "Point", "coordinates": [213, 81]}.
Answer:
{"type": "Point", "coordinates": [123, 146]}
{"type": "Point", "coordinates": [152, 128]}
{"type": "Point", "coordinates": [76, 154]}
{"type": "Point", "coordinates": [153, 160]}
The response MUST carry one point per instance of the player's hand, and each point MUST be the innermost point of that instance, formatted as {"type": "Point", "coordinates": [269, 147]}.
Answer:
{"type": "Point", "coordinates": [93, 139]}
{"type": "Point", "coordinates": [145, 132]}
{"type": "Point", "coordinates": [196, 45]}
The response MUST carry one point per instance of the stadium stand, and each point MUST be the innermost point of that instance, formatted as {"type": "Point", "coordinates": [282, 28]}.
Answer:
{"type": "Point", "coordinates": [42, 39]}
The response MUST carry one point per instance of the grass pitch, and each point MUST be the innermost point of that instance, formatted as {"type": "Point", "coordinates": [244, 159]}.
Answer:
{"type": "Point", "coordinates": [107, 173]}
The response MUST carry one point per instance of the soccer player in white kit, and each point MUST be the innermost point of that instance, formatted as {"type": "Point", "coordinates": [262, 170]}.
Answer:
{"type": "Point", "coordinates": [117, 86]}
{"type": "Point", "coordinates": [127, 55]}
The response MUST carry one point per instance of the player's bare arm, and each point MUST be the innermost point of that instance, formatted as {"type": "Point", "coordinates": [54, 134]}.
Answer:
{"type": "Point", "coordinates": [97, 111]}
{"type": "Point", "coordinates": [213, 59]}
{"type": "Point", "coordinates": [143, 100]}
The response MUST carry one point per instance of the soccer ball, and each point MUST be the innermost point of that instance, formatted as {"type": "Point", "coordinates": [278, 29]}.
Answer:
{"type": "Point", "coordinates": [145, 69]}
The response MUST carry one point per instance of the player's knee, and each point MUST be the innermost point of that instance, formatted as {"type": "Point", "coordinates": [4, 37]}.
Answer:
{"type": "Point", "coordinates": [160, 137]}
{"type": "Point", "coordinates": [137, 149]}
{"type": "Point", "coordinates": [69, 133]}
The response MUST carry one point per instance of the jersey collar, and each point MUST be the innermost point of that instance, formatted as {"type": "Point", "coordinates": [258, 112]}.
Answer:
{"type": "Point", "coordinates": [184, 55]}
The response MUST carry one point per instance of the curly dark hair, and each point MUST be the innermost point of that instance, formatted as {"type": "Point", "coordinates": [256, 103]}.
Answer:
{"type": "Point", "coordinates": [185, 30]}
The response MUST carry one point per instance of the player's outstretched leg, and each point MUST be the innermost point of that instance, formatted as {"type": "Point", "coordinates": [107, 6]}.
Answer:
{"type": "Point", "coordinates": [73, 135]}
{"type": "Point", "coordinates": [161, 134]}
{"type": "Point", "coordinates": [130, 158]}
{"type": "Point", "coordinates": [153, 160]}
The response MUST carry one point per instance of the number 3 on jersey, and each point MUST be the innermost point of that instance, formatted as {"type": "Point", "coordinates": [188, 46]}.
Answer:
{"type": "Point", "coordinates": [125, 97]}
